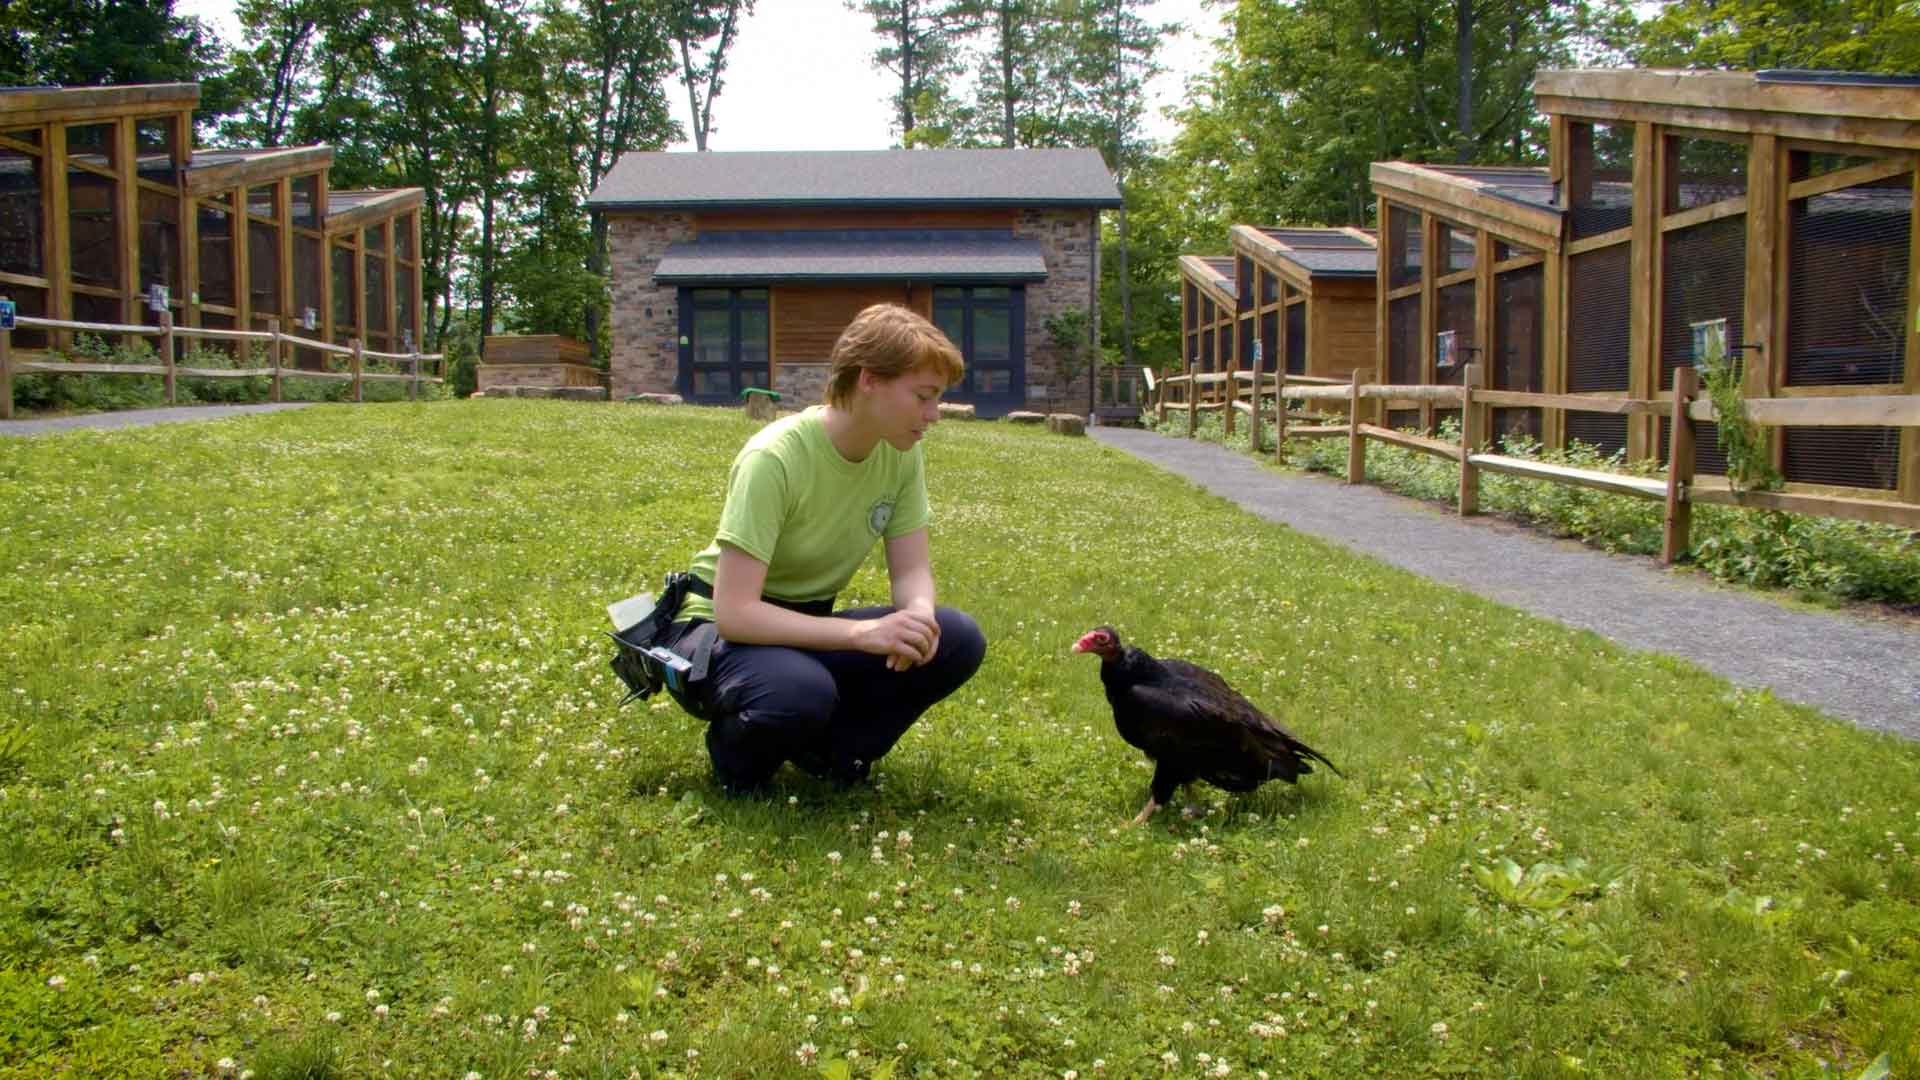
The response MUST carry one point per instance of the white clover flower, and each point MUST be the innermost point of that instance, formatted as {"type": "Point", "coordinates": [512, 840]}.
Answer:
{"type": "Point", "coordinates": [57, 981]}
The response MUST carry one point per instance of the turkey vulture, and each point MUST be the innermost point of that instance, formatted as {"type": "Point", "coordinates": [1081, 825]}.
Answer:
{"type": "Point", "coordinates": [1192, 724]}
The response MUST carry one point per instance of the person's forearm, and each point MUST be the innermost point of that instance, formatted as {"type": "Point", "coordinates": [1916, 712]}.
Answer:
{"type": "Point", "coordinates": [913, 590]}
{"type": "Point", "coordinates": [756, 622]}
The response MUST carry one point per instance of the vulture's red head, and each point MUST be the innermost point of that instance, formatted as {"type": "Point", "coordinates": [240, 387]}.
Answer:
{"type": "Point", "coordinates": [1102, 641]}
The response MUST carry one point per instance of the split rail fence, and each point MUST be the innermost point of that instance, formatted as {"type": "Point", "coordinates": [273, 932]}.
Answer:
{"type": "Point", "coordinates": [1362, 399]}
{"type": "Point", "coordinates": [168, 369]}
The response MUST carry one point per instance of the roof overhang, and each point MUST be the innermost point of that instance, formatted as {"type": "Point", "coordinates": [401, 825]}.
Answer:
{"type": "Point", "coordinates": [1469, 202]}
{"type": "Point", "coordinates": [36, 105]}
{"type": "Point", "coordinates": [1218, 286]}
{"type": "Point", "coordinates": [376, 207]}
{"type": "Point", "coordinates": [1829, 107]}
{"type": "Point", "coordinates": [256, 168]}
{"type": "Point", "coordinates": [1251, 241]}
{"type": "Point", "coordinates": [696, 206]}
{"type": "Point", "coordinates": [724, 259]}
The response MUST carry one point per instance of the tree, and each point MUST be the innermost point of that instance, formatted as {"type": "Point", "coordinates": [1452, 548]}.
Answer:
{"type": "Point", "coordinates": [1116, 58]}
{"type": "Point", "coordinates": [921, 43]}
{"type": "Point", "coordinates": [1848, 35]}
{"type": "Point", "coordinates": [704, 29]}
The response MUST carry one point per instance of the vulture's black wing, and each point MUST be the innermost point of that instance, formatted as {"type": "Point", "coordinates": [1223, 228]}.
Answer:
{"type": "Point", "coordinates": [1225, 737]}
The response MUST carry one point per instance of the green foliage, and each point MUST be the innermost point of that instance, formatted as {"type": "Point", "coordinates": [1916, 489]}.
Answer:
{"type": "Point", "coordinates": [1748, 35]}
{"type": "Point", "coordinates": [1748, 450]}
{"type": "Point", "coordinates": [346, 791]}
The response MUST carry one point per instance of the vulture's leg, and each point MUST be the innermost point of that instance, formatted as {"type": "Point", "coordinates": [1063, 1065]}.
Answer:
{"type": "Point", "coordinates": [1160, 793]}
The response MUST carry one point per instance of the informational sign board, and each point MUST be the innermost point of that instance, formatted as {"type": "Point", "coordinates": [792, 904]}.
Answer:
{"type": "Point", "coordinates": [6, 314]}
{"type": "Point", "coordinates": [309, 319]}
{"type": "Point", "coordinates": [1709, 340]}
{"type": "Point", "coordinates": [1446, 352]}
{"type": "Point", "coordinates": [156, 297]}
{"type": "Point", "coordinates": [1256, 352]}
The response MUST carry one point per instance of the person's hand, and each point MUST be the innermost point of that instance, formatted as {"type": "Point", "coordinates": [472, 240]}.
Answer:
{"type": "Point", "coordinates": [906, 638]}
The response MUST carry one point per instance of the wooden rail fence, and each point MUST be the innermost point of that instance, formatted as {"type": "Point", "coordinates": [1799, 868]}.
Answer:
{"type": "Point", "coordinates": [1362, 402]}
{"type": "Point", "coordinates": [168, 369]}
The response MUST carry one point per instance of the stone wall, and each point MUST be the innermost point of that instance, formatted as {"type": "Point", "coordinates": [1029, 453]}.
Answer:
{"type": "Point", "coordinates": [801, 385]}
{"type": "Point", "coordinates": [646, 320]}
{"type": "Point", "coordinates": [1070, 245]}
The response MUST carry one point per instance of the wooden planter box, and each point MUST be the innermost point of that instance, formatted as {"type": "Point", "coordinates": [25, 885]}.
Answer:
{"type": "Point", "coordinates": [537, 360]}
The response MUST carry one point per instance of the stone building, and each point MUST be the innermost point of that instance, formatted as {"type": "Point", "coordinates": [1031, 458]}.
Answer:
{"type": "Point", "coordinates": [737, 270]}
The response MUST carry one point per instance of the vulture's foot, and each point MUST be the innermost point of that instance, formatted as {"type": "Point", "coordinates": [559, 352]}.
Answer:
{"type": "Point", "coordinates": [1145, 811]}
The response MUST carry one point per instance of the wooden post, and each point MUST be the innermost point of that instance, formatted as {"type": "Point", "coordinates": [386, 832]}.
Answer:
{"type": "Point", "coordinates": [413, 369]}
{"type": "Point", "coordinates": [355, 343]}
{"type": "Point", "coordinates": [1674, 539]}
{"type": "Point", "coordinates": [1472, 434]}
{"type": "Point", "coordinates": [1356, 442]}
{"type": "Point", "coordinates": [166, 350]}
{"type": "Point", "coordinates": [6, 374]}
{"type": "Point", "coordinates": [273, 360]}
{"type": "Point", "coordinates": [1193, 404]}
{"type": "Point", "coordinates": [1253, 422]}
{"type": "Point", "coordinates": [1280, 417]}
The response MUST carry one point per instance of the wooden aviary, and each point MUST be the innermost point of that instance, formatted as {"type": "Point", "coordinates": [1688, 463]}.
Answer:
{"type": "Point", "coordinates": [109, 215]}
{"type": "Point", "coordinates": [1771, 212]}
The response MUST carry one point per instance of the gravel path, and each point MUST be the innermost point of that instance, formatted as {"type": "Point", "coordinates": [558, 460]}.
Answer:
{"type": "Point", "coordinates": [1864, 669]}
{"type": "Point", "coordinates": [138, 417]}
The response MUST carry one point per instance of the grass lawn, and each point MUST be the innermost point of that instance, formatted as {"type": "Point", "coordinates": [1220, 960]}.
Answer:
{"type": "Point", "coordinates": [311, 765]}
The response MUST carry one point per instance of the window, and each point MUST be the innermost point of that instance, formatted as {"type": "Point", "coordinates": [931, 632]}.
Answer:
{"type": "Point", "coordinates": [987, 323]}
{"type": "Point", "coordinates": [728, 343]}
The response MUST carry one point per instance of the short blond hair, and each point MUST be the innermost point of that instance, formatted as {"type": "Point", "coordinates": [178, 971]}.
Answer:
{"type": "Point", "coordinates": [890, 341]}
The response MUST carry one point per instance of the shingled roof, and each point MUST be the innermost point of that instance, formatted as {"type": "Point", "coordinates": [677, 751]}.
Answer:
{"type": "Point", "coordinates": [849, 178]}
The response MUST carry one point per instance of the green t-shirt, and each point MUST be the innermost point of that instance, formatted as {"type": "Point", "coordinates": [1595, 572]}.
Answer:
{"type": "Point", "coordinates": [811, 515]}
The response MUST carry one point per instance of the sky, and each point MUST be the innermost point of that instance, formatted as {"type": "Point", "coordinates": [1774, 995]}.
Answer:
{"type": "Point", "coordinates": [800, 75]}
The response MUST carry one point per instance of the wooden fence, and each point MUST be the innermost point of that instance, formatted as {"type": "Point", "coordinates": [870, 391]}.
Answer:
{"type": "Point", "coordinates": [278, 344]}
{"type": "Point", "coordinates": [1361, 400]}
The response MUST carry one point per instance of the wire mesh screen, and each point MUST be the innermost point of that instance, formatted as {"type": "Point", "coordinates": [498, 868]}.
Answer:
{"type": "Point", "coordinates": [1705, 171]}
{"type": "Point", "coordinates": [1442, 416]}
{"type": "Point", "coordinates": [1508, 423]}
{"type": "Point", "coordinates": [1864, 457]}
{"type": "Point", "coordinates": [1598, 353]}
{"type": "Point", "coordinates": [1703, 278]}
{"type": "Point", "coordinates": [1246, 343]}
{"type": "Point", "coordinates": [1607, 433]}
{"type": "Point", "coordinates": [1270, 342]}
{"type": "Point", "coordinates": [1403, 419]}
{"type": "Point", "coordinates": [1847, 268]}
{"type": "Point", "coordinates": [1456, 314]}
{"type": "Point", "coordinates": [1403, 246]}
{"type": "Point", "coordinates": [1708, 458]}
{"type": "Point", "coordinates": [1610, 205]}
{"type": "Point", "coordinates": [1456, 249]}
{"type": "Point", "coordinates": [1517, 327]}
{"type": "Point", "coordinates": [1403, 341]}
{"type": "Point", "coordinates": [1297, 339]}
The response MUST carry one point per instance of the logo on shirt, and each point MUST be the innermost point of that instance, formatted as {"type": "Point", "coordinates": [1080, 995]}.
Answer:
{"type": "Point", "coordinates": [879, 515]}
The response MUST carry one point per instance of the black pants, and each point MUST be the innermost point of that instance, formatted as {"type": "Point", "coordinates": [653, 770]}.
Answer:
{"type": "Point", "coordinates": [831, 713]}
